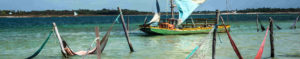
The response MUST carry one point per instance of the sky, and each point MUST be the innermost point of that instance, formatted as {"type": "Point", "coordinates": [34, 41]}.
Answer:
{"type": "Point", "coordinates": [140, 5]}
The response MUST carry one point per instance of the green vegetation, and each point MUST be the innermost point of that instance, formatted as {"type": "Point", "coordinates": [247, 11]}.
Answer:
{"type": "Point", "coordinates": [71, 12]}
{"type": "Point", "coordinates": [127, 11]}
{"type": "Point", "coordinates": [270, 10]}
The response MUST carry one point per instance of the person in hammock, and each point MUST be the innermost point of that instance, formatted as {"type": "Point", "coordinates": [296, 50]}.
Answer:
{"type": "Point", "coordinates": [70, 52]}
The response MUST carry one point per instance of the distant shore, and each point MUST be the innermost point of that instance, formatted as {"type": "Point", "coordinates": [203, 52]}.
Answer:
{"type": "Point", "coordinates": [29, 16]}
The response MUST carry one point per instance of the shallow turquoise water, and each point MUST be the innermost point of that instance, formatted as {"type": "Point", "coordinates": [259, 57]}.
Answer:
{"type": "Point", "coordinates": [21, 37]}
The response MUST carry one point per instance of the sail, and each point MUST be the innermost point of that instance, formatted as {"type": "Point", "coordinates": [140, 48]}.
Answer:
{"type": "Point", "coordinates": [186, 7]}
{"type": "Point", "coordinates": [75, 14]}
{"type": "Point", "coordinates": [157, 7]}
{"type": "Point", "coordinates": [156, 16]}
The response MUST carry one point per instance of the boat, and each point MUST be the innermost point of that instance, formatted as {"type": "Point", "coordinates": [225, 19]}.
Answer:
{"type": "Point", "coordinates": [182, 25]}
{"type": "Point", "coordinates": [75, 13]}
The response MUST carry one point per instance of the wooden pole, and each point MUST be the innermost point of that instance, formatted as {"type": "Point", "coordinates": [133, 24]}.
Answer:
{"type": "Point", "coordinates": [97, 32]}
{"type": "Point", "coordinates": [172, 9]}
{"type": "Point", "coordinates": [214, 34]}
{"type": "Point", "coordinates": [98, 49]}
{"type": "Point", "coordinates": [98, 43]}
{"type": "Point", "coordinates": [214, 42]}
{"type": "Point", "coordinates": [271, 37]}
{"type": "Point", "coordinates": [217, 16]}
{"type": "Point", "coordinates": [128, 23]}
{"type": "Point", "coordinates": [60, 40]}
{"type": "Point", "coordinates": [257, 22]}
{"type": "Point", "coordinates": [125, 30]}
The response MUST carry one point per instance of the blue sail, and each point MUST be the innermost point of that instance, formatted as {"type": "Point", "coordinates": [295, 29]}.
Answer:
{"type": "Point", "coordinates": [186, 7]}
{"type": "Point", "coordinates": [157, 6]}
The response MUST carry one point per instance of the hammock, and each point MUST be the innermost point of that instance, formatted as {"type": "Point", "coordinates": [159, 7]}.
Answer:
{"type": "Point", "coordinates": [41, 48]}
{"type": "Point", "coordinates": [65, 49]}
{"type": "Point", "coordinates": [70, 52]}
{"type": "Point", "coordinates": [261, 49]}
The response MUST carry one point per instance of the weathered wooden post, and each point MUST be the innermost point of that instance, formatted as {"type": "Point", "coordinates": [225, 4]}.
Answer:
{"type": "Point", "coordinates": [257, 22]}
{"type": "Point", "coordinates": [97, 32]}
{"type": "Point", "coordinates": [60, 40]}
{"type": "Point", "coordinates": [98, 43]}
{"type": "Point", "coordinates": [214, 34]}
{"type": "Point", "coordinates": [217, 16]}
{"type": "Point", "coordinates": [98, 49]}
{"type": "Point", "coordinates": [128, 23]}
{"type": "Point", "coordinates": [125, 30]}
{"type": "Point", "coordinates": [271, 37]}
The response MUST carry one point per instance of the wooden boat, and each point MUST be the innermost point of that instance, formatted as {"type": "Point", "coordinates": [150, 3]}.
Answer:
{"type": "Point", "coordinates": [187, 26]}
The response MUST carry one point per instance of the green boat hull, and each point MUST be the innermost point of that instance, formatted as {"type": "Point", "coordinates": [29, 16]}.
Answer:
{"type": "Point", "coordinates": [175, 32]}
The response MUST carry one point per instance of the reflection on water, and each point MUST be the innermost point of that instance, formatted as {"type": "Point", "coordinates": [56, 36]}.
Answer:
{"type": "Point", "coordinates": [21, 42]}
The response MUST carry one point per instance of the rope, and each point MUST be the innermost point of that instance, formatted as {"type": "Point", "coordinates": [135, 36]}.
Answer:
{"type": "Point", "coordinates": [117, 18]}
{"type": "Point", "coordinates": [41, 48]}
{"type": "Point", "coordinates": [261, 49]}
{"type": "Point", "coordinates": [219, 38]}
{"type": "Point", "coordinates": [90, 47]}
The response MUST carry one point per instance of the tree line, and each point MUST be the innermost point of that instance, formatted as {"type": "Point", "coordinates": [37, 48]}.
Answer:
{"type": "Point", "coordinates": [71, 12]}
{"type": "Point", "coordinates": [128, 12]}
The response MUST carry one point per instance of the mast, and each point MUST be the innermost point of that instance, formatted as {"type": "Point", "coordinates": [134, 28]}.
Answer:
{"type": "Point", "coordinates": [172, 9]}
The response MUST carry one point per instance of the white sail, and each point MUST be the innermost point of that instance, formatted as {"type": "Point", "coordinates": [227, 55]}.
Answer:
{"type": "Point", "coordinates": [155, 18]}
{"type": "Point", "coordinates": [75, 14]}
{"type": "Point", "coordinates": [186, 8]}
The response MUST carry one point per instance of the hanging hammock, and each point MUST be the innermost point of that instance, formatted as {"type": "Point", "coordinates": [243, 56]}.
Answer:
{"type": "Point", "coordinates": [41, 48]}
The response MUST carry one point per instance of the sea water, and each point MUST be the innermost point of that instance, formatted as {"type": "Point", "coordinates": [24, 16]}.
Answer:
{"type": "Point", "coordinates": [21, 37]}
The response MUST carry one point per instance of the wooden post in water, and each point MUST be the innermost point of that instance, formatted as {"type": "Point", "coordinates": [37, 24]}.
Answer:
{"type": "Point", "coordinates": [60, 40]}
{"type": "Point", "coordinates": [257, 22]}
{"type": "Point", "coordinates": [271, 37]}
{"type": "Point", "coordinates": [214, 34]}
{"type": "Point", "coordinates": [128, 23]}
{"type": "Point", "coordinates": [217, 16]}
{"type": "Point", "coordinates": [125, 30]}
{"type": "Point", "coordinates": [98, 49]}
{"type": "Point", "coordinates": [97, 32]}
{"type": "Point", "coordinates": [98, 43]}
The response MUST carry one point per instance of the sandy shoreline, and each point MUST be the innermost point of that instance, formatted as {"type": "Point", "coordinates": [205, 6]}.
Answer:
{"type": "Point", "coordinates": [29, 16]}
